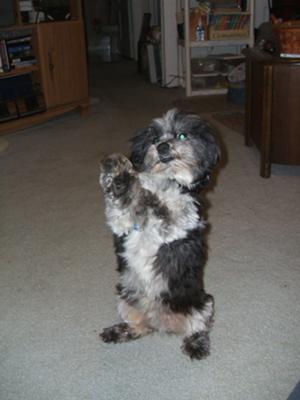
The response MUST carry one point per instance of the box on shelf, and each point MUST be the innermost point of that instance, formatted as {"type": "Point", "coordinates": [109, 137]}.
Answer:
{"type": "Point", "coordinates": [205, 65]}
{"type": "Point", "coordinates": [209, 82]}
{"type": "Point", "coordinates": [288, 34]}
{"type": "Point", "coordinates": [227, 61]}
{"type": "Point", "coordinates": [218, 63]}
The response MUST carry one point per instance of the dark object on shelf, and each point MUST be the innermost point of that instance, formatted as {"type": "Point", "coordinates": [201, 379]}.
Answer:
{"type": "Point", "coordinates": [19, 97]}
{"type": "Point", "coordinates": [29, 105]}
{"type": "Point", "coordinates": [272, 108]}
{"type": "Point", "coordinates": [55, 10]}
{"type": "Point", "coordinates": [265, 38]}
{"type": "Point", "coordinates": [8, 111]}
{"type": "Point", "coordinates": [7, 13]}
{"type": "Point", "coordinates": [143, 40]}
{"type": "Point", "coordinates": [285, 9]}
{"type": "Point", "coordinates": [236, 93]}
{"type": "Point", "coordinates": [17, 86]}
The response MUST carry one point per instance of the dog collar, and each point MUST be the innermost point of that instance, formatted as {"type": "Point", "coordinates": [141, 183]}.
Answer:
{"type": "Point", "coordinates": [136, 227]}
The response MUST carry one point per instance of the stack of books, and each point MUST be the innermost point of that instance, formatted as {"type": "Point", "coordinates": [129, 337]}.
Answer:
{"type": "Point", "coordinates": [16, 53]}
{"type": "Point", "coordinates": [232, 21]}
{"type": "Point", "coordinates": [20, 52]}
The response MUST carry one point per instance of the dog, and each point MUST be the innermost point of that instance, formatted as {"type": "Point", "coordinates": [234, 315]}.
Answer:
{"type": "Point", "coordinates": [153, 209]}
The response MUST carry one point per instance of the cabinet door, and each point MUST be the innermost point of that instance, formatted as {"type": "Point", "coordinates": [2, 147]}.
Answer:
{"type": "Point", "coordinates": [63, 62]}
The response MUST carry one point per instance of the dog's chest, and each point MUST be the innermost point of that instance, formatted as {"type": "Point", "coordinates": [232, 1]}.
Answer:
{"type": "Point", "coordinates": [143, 242]}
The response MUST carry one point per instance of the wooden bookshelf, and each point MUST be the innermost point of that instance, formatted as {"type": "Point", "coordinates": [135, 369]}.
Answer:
{"type": "Point", "coordinates": [59, 69]}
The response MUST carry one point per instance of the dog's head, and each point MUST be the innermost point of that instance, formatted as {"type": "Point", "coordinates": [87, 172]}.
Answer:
{"type": "Point", "coordinates": [179, 146]}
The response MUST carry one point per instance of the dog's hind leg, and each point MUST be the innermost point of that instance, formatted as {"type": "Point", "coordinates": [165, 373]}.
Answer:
{"type": "Point", "coordinates": [196, 343]}
{"type": "Point", "coordinates": [119, 333]}
{"type": "Point", "coordinates": [134, 327]}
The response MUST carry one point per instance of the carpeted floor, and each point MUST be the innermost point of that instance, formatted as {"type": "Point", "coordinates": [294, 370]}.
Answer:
{"type": "Point", "coordinates": [57, 267]}
{"type": "Point", "coordinates": [233, 120]}
{"type": "Point", "coordinates": [207, 104]}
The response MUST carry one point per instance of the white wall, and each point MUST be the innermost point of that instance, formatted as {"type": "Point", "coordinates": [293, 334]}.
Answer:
{"type": "Point", "coordinates": [169, 43]}
{"type": "Point", "coordinates": [261, 12]}
{"type": "Point", "coordinates": [138, 8]}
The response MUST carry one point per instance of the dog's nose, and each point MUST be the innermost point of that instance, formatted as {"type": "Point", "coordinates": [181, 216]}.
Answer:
{"type": "Point", "coordinates": [163, 150]}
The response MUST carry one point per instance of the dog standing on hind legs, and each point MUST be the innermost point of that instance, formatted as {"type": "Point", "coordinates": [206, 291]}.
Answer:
{"type": "Point", "coordinates": [153, 210]}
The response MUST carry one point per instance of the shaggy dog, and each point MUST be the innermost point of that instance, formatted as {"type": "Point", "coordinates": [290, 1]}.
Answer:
{"type": "Point", "coordinates": [157, 222]}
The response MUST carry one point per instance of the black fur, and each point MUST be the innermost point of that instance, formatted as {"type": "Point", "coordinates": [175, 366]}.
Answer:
{"type": "Point", "coordinates": [197, 346]}
{"type": "Point", "coordinates": [119, 248]}
{"type": "Point", "coordinates": [181, 262]}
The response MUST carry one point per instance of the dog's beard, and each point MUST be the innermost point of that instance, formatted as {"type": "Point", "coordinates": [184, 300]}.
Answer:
{"type": "Point", "coordinates": [180, 167]}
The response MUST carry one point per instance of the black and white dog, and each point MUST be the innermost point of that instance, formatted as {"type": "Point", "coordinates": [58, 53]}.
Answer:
{"type": "Point", "coordinates": [157, 222]}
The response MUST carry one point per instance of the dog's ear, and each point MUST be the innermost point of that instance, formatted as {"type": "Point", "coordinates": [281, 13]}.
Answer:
{"type": "Point", "coordinates": [208, 150]}
{"type": "Point", "coordinates": [212, 149]}
{"type": "Point", "coordinates": [140, 144]}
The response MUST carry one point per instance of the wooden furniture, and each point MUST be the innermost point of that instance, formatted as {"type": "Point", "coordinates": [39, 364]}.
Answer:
{"type": "Point", "coordinates": [60, 70]}
{"type": "Point", "coordinates": [227, 39]}
{"type": "Point", "coordinates": [273, 108]}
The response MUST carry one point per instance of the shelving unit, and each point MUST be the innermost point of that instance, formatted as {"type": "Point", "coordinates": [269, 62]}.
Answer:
{"type": "Point", "coordinates": [58, 71]}
{"type": "Point", "coordinates": [228, 39]}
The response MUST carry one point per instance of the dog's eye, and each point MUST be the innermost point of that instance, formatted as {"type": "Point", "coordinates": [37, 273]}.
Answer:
{"type": "Point", "coordinates": [182, 136]}
{"type": "Point", "coordinates": [155, 140]}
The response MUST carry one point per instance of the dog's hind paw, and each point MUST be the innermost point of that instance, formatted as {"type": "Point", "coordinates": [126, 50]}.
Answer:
{"type": "Point", "coordinates": [197, 345]}
{"type": "Point", "coordinates": [118, 333]}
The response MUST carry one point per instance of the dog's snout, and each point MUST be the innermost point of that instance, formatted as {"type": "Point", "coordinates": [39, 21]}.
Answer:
{"type": "Point", "coordinates": [164, 151]}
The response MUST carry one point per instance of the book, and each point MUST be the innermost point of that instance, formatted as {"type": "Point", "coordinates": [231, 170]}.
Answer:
{"type": "Point", "coordinates": [4, 56]}
{"type": "Point", "coordinates": [18, 48]}
{"type": "Point", "coordinates": [18, 40]}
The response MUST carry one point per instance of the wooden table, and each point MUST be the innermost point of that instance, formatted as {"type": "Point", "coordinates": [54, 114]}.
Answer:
{"type": "Point", "coordinates": [273, 108]}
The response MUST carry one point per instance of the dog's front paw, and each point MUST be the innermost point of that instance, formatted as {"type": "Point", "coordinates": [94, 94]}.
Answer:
{"type": "Point", "coordinates": [118, 333]}
{"type": "Point", "coordinates": [115, 174]}
{"type": "Point", "coordinates": [115, 164]}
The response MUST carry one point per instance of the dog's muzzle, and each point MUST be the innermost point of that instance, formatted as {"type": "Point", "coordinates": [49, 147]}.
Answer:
{"type": "Point", "coordinates": [164, 152]}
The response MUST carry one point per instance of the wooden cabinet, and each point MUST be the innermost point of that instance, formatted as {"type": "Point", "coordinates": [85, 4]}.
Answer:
{"type": "Point", "coordinates": [272, 108]}
{"type": "Point", "coordinates": [63, 62]}
{"type": "Point", "coordinates": [59, 69]}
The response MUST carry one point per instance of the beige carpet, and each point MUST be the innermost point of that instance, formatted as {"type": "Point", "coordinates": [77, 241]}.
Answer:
{"type": "Point", "coordinates": [57, 266]}
{"type": "Point", "coordinates": [206, 104]}
{"type": "Point", "coordinates": [233, 120]}
{"type": "Point", "coordinates": [3, 145]}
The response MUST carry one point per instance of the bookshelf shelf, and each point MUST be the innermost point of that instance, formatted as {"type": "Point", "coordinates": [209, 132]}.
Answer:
{"type": "Point", "coordinates": [19, 71]}
{"type": "Point", "coordinates": [232, 13]}
{"type": "Point", "coordinates": [224, 29]}
{"type": "Point", "coordinates": [38, 76]}
{"type": "Point", "coordinates": [211, 43]}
